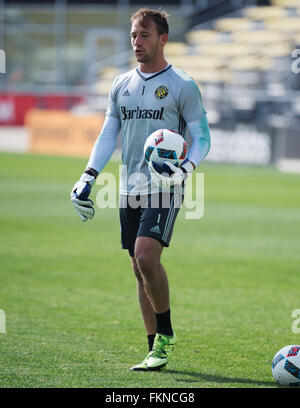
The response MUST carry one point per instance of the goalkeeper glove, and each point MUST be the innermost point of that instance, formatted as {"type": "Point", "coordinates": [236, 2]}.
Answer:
{"type": "Point", "coordinates": [168, 174]}
{"type": "Point", "coordinates": [79, 197]}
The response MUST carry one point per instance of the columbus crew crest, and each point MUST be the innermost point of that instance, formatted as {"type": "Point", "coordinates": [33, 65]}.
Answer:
{"type": "Point", "coordinates": [161, 92]}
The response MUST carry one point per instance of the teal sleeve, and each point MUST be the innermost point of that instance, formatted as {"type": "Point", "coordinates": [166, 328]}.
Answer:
{"type": "Point", "coordinates": [200, 133]}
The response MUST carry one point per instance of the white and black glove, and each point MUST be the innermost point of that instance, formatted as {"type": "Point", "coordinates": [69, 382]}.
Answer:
{"type": "Point", "coordinates": [79, 196]}
{"type": "Point", "coordinates": [167, 174]}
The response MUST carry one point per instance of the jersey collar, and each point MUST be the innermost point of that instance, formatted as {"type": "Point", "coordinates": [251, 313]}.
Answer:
{"type": "Point", "coordinates": [155, 75]}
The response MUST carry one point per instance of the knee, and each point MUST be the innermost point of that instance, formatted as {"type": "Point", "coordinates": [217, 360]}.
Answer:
{"type": "Point", "coordinates": [136, 270]}
{"type": "Point", "coordinates": [147, 253]}
{"type": "Point", "coordinates": [145, 262]}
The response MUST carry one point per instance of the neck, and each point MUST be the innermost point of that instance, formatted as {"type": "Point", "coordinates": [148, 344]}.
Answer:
{"type": "Point", "coordinates": [150, 68]}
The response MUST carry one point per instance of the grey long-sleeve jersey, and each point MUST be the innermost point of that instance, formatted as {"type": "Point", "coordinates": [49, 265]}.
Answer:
{"type": "Point", "coordinates": [169, 99]}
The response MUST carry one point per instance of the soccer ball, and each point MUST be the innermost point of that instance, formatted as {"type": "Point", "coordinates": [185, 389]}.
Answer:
{"type": "Point", "coordinates": [165, 145]}
{"type": "Point", "coordinates": [286, 366]}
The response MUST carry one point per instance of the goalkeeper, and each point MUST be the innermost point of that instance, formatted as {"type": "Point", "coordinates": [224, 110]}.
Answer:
{"type": "Point", "coordinates": [155, 95]}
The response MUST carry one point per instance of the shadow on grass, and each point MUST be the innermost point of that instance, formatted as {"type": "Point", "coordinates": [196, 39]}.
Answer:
{"type": "Point", "coordinates": [200, 377]}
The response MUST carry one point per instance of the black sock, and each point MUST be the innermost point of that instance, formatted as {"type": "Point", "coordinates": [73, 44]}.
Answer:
{"type": "Point", "coordinates": [151, 340]}
{"type": "Point", "coordinates": [164, 323]}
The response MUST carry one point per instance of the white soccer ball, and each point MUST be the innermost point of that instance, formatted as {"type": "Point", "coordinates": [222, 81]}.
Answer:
{"type": "Point", "coordinates": [286, 366]}
{"type": "Point", "coordinates": [165, 145]}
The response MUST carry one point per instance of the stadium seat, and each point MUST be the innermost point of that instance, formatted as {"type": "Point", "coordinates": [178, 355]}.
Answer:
{"type": "Point", "coordinates": [258, 37]}
{"type": "Point", "coordinates": [176, 48]}
{"type": "Point", "coordinates": [288, 24]}
{"type": "Point", "coordinates": [232, 24]}
{"type": "Point", "coordinates": [264, 13]}
{"type": "Point", "coordinates": [285, 3]}
{"type": "Point", "coordinates": [246, 79]}
{"type": "Point", "coordinates": [202, 36]}
{"type": "Point", "coordinates": [226, 49]}
{"type": "Point", "coordinates": [109, 72]}
{"type": "Point", "coordinates": [211, 76]}
{"type": "Point", "coordinates": [103, 87]}
{"type": "Point", "coordinates": [296, 39]}
{"type": "Point", "coordinates": [279, 50]}
{"type": "Point", "coordinates": [251, 63]}
{"type": "Point", "coordinates": [196, 61]}
{"type": "Point", "coordinates": [107, 76]}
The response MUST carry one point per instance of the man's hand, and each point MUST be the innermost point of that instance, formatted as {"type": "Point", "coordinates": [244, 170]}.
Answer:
{"type": "Point", "coordinates": [79, 197]}
{"type": "Point", "coordinates": [168, 175]}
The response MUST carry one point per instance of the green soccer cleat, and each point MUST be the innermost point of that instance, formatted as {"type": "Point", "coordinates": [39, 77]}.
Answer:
{"type": "Point", "coordinates": [140, 367]}
{"type": "Point", "coordinates": [160, 354]}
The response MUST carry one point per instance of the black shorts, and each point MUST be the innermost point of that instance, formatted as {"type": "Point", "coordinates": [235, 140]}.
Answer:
{"type": "Point", "coordinates": [148, 216]}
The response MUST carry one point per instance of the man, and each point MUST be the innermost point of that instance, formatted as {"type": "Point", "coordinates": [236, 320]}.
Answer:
{"type": "Point", "coordinates": [153, 96]}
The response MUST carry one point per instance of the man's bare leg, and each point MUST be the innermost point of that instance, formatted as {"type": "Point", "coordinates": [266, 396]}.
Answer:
{"type": "Point", "coordinates": [147, 255]}
{"type": "Point", "coordinates": [155, 286]}
{"type": "Point", "coordinates": [146, 307]}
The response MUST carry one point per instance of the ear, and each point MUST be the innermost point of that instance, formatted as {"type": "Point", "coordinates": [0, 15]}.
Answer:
{"type": "Point", "coordinates": [163, 39]}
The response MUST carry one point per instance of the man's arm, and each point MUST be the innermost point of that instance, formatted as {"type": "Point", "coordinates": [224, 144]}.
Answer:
{"type": "Point", "coordinates": [105, 144]}
{"type": "Point", "coordinates": [170, 174]}
{"type": "Point", "coordinates": [101, 153]}
{"type": "Point", "coordinates": [200, 134]}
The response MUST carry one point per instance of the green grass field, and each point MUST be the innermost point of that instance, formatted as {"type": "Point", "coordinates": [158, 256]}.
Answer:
{"type": "Point", "coordinates": [72, 317]}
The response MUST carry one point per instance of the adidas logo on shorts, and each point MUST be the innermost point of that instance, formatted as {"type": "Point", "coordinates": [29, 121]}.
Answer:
{"type": "Point", "coordinates": [155, 229]}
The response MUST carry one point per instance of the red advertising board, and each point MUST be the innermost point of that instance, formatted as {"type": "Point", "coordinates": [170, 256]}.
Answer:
{"type": "Point", "coordinates": [13, 107]}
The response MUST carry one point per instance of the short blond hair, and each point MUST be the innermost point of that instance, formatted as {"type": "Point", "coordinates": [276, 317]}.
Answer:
{"type": "Point", "coordinates": [159, 17]}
